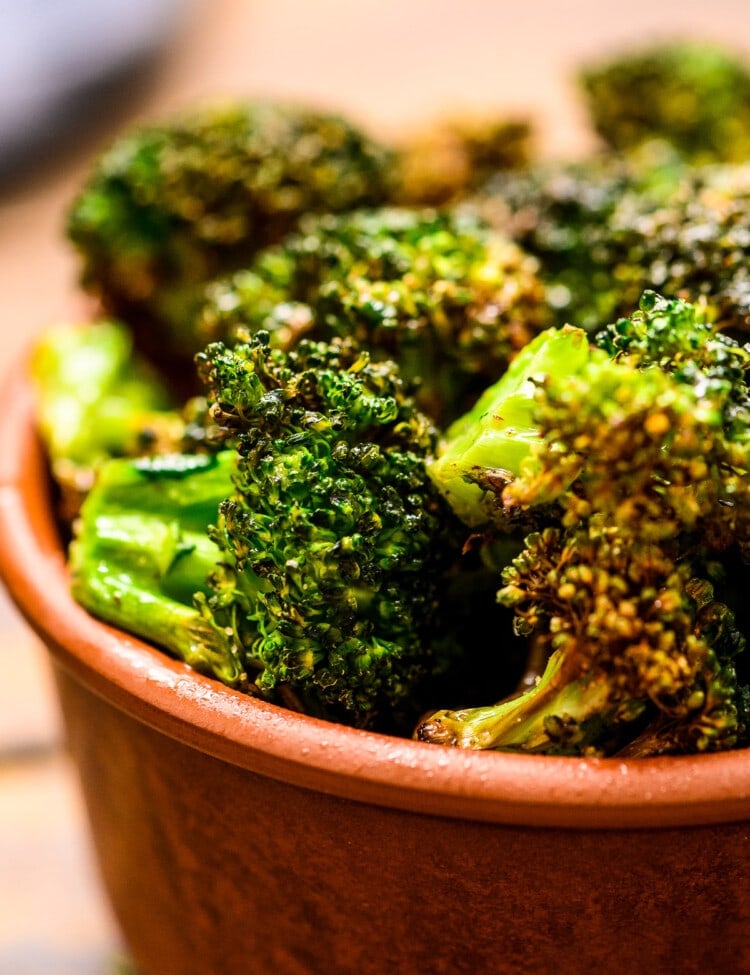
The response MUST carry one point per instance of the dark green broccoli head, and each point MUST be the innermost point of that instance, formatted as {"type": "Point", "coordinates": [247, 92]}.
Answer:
{"type": "Point", "coordinates": [694, 95]}
{"type": "Point", "coordinates": [176, 203]}
{"type": "Point", "coordinates": [334, 513]}
{"type": "Point", "coordinates": [678, 337]}
{"type": "Point", "coordinates": [604, 232]}
{"type": "Point", "coordinates": [692, 243]}
{"type": "Point", "coordinates": [653, 447]}
{"type": "Point", "coordinates": [562, 213]}
{"type": "Point", "coordinates": [300, 561]}
{"type": "Point", "coordinates": [450, 301]}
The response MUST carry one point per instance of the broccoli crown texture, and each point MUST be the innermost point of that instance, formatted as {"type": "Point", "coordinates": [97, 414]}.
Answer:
{"type": "Point", "coordinates": [604, 231]}
{"type": "Point", "coordinates": [692, 243]}
{"type": "Point", "coordinates": [630, 635]}
{"type": "Point", "coordinates": [696, 96]}
{"type": "Point", "coordinates": [175, 203]}
{"type": "Point", "coordinates": [562, 214]}
{"type": "Point", "coordinates": [641, 468]}
{"type": "Point", "coordinates": [334, 513]}
{"type": "Point", "coordinates": [450, 301]}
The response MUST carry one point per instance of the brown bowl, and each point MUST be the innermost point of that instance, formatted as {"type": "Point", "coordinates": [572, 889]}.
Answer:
{"type": "Point", "coordinates": [236, 837]}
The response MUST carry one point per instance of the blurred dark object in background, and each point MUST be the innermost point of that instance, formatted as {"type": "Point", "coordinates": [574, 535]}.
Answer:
{"type": "Point", "coordinates": [67, 66]}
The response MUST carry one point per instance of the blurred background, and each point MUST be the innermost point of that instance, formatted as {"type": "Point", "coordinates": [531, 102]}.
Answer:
{"type": "Point", "coordinates": [73, 73]}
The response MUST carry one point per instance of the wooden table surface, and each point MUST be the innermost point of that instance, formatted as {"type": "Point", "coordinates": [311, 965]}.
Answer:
{"type": "Point", "coordinates": [390, 64]}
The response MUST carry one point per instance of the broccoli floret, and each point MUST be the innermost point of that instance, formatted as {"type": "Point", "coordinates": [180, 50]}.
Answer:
{"type": "Point", "coordinates": [484, 449]}
{"type": "Point", "coordinates": [174, 204]}
{"type": "Point", "coordinates": [453, 158]}
{"type": "Point", "coordinates": [647, 467]}
{"type": "Point", "coordinates": [604, 232]}
{"type": "Point", "coordinates": [691, 244]}
{"type": "Point", "coordinates": [694, 95]}
{"type": "Point", "coordinates": [626, 640]}
{"type": "Point", "coordinates": [322, 538]}
{"type": "Point", "coordinates": [562, 213]}
{"type": "Point", "coordinates": [450, 301]}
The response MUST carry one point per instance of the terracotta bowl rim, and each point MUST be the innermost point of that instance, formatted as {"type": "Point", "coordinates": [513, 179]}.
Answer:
{"type": "Point", "coordinates": [358, 765]}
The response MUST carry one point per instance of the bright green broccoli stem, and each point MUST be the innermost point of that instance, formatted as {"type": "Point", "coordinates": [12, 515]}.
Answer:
{"type": "Point", "coordinates": [562, 713]}
{"type": "Point", "coordinates": [142, 559]}
{"type": "Point", "coordinates": [497, 434]}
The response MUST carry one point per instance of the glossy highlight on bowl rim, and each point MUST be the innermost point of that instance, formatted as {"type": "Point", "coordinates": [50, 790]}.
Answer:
{"type": "Point", "coordinates": [165, 694]}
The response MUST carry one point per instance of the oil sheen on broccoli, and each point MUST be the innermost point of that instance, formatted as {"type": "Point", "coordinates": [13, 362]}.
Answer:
{"type": "Point", "coordinates": [447, 299]}
{"type": "Point", "coordinates": [301, 561]}
{"type": "Point", "coordinates": [639, 468]}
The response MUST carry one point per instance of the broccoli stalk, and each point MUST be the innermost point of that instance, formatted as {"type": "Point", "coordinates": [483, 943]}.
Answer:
{"type": "Point", "coordinates": [142, 557]}
{"type": "Point", "coordinates": [487, 446]}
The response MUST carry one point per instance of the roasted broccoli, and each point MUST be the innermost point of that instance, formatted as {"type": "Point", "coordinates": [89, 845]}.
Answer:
{"type": "Point", "coordinates": [562, 214]}
{"type": "Point", "coordinates": [176, 203]}
{"type": "Point", "coordinates": [639, 467]}
{"type": "Point", "coordinates": [302, 561]}
{"type": "Point", "coordinates": [603, 232]}
{"type": "Point", "coordinates": [450, 301]}
{"type": "Point", "coordinates": [386, 452]}
{"type": "Point", "coordinates": [694, 95]}
{"type": "Point", "coordinates": [450, 159]}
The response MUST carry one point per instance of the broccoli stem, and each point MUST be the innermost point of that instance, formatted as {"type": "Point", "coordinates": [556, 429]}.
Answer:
{"type": "Point", "coordinates": [549, 716]}
{"type": "Point", "coordinates": [498, 433]}
{"type": "Point", "coordinates": [142, 557]}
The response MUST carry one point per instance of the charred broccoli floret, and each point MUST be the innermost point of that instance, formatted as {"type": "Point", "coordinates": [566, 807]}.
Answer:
{"type": "Point", "coordinates": [624, 629]}
{"type": "Point", "coordinates": [450, 301]}
{"type": "Point", "coordinates": [644, 460]}
{"type": "Point", "coordinates": [562, 213]}
{"type": "Point", "coordinates": [694, 95]}
{"type": "Point", "coordinates": [451, 159]}
{"type": "Point", "coordinates": [605, 232]}
{"type": "Point", "coordinates": [321, 543]}
{"type": "Point", "coordinates": [176, 203]}
{"type": "Point", "coordinates": [692, 243]}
